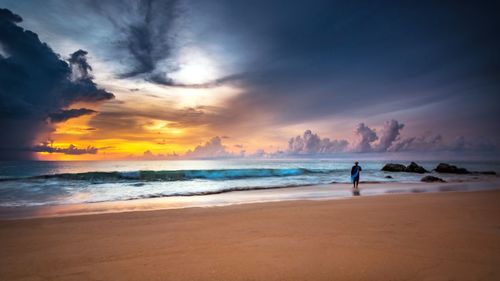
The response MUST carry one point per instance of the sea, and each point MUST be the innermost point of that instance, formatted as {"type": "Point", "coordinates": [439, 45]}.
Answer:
{"type": "Point", "coordinates": [49, 183]}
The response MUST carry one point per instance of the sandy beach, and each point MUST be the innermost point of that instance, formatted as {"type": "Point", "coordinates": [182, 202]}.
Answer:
{"type": "Point", "coordinates": [249, 140]}
{"type": "Point", "coordinates": [434, 236]}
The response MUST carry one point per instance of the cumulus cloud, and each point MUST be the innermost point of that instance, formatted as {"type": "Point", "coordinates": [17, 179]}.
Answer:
{"type": "Point", "coordinates": [37, 85]}
{"type": "Point", "coordinates": [369, 141]}
{"type": "Point", "coordinates": [310, 143]}
{"type": "Point", "coordinates": [388, 135]}
{"type": "Point", "coordinates": [70, 150]}
{"type": "Point", "coordinates": [211, 149]}
{"type": "Point", "coordinates": [366, 136]}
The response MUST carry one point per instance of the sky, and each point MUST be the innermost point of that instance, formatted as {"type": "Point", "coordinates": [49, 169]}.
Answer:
{"type": "Point", "coordinates": [153, 79]}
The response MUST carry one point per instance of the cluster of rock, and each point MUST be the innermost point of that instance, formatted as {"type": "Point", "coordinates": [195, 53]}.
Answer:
{"type": "Point", "coordinates": [412, 168]}
{"type": "Point", "coordinates": [441, 168]}
{"type": "Point", "coordinates": [452, 169]}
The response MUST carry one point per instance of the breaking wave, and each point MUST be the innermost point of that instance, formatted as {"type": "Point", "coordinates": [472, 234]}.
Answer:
{"type": "Point", "coordinates": [179, 175]}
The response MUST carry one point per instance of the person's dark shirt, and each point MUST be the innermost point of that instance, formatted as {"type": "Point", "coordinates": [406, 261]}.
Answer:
{"type": "Point", "coordinates": [355, 169]}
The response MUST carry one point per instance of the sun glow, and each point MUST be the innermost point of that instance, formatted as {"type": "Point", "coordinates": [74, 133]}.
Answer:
{"type": "Point", "coordinates": [195, 68]}
{"type": "Point", "coordinates": [163, 127]}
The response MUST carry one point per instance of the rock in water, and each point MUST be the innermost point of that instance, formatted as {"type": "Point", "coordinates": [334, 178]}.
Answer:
{"type": "Point", "coordinates": [412, 168]}
{"type": "Point", "coordinates": [394, 167]}
{"type": "Point", "coordinates": [388, 177]}
{"type": "Point", "coordinates": [415, 168]}
{"type": "Point", "coordinates": [450, 169]}
{"type": "Point", "coordinates": [432, 179]}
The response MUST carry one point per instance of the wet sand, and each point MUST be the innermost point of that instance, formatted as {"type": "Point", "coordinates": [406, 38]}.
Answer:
{"type": "Point", "coordinates": [430, 236]}
{"type": "Point", "coordinates": [311, 192]}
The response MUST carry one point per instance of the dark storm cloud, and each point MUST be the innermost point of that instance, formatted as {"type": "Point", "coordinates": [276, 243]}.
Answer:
{"type": "Point", "coordinates": [7, 15]}
{"type": "Point", "coordinates": [64, 115]}
{"type": "Point", "coordinates": [36, 83]}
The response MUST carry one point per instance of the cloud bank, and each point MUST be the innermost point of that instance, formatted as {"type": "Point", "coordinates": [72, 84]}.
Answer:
{"type": "Point", "coordinates": [367, 140]}
{"type": "Point", "coordinates": [70, 150]}
{"type": "Point", "coordinates": [37, 86]}
{"type": "Point", "coordinates": [310, 144]}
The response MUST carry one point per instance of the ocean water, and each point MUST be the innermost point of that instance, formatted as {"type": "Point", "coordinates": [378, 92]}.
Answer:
{"type": "Point", "coordinates": [36, 183]}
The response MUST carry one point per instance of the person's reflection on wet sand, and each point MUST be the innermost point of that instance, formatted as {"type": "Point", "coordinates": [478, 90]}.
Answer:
{"type": "Point", "coordinates": [355, 192]}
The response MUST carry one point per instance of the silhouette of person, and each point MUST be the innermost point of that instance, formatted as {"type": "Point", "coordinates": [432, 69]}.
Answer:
{"type": "Point", "coordinates": [355, 171]}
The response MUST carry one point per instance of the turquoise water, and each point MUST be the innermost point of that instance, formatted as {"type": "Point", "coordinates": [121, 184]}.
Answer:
{"type": "Point", "coordinates": [31, 183]}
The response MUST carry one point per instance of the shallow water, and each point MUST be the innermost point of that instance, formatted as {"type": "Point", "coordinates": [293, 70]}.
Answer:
{"type": "Point", "coordinates": [31, 183]}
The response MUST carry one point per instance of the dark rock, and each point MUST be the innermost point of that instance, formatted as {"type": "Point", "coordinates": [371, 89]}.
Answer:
{"type": "Point", "coordinates": [388, 177]}
{"type": "Point", "coordinates": [415, 168]}
{"type": "Point", "coordinates": [486, 173]}
{"type": "Point", "coordinates": [394, 167]}
{"type": "Point", "coordinates": [450, 169]}
{"type": "Point", "coordinates": [432, 179]}
{"type": "Point", "coordinates": [412, 168]}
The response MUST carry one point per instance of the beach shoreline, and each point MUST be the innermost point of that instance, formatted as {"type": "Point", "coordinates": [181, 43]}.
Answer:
{"type": "Point", "coordinates": [332, 191]}
{"type": "Point", "coordinates": [425, 236]}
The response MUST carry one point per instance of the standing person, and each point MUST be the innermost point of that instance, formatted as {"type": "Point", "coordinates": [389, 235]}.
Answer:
{"type": "Point", "coordinates": [355, 174]}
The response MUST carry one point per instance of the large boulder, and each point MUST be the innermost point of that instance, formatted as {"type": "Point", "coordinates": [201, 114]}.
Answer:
{"type": "Point", "coordinates": [415, 168]}
{"type": "Point", "coordinates": [391, 167]}
{"type": "Point", "coordinates": [432, 179]}
{"type": "Point", "coordinates": [450, 169]}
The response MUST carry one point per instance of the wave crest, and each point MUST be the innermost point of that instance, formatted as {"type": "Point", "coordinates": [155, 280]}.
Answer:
{"type": "Point", "coordinates": [181, 175]}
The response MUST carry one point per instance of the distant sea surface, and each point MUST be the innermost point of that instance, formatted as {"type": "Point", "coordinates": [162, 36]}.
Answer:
{"type": "Point", "coordinates": [38, 183]}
